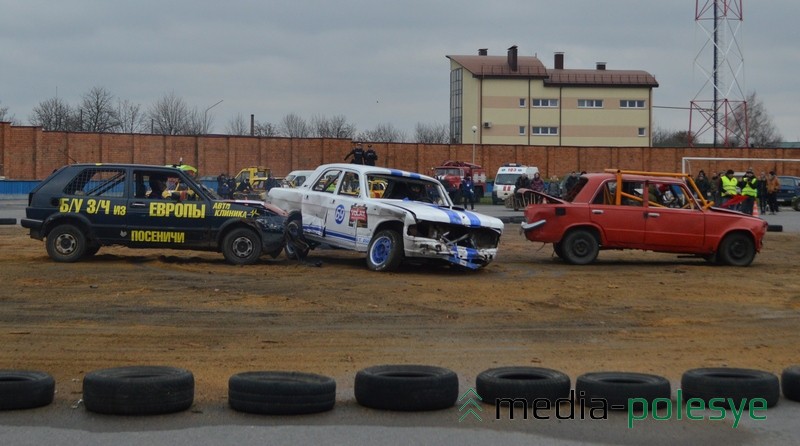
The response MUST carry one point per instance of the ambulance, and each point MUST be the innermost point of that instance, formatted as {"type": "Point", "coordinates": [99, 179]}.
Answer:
{"type": "Point", "coordinates": [506, 178]}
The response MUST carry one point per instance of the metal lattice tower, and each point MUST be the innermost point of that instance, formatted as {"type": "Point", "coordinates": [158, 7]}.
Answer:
{"type": "Point", "coordinates": [726, 114]}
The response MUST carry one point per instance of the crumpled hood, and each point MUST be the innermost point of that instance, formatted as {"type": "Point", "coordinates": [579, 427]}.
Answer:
{"type": "Point", "coordinates": [444, 214]}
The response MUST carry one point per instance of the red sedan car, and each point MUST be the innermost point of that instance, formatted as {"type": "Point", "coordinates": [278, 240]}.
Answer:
{"type": "Point", "coordinates": [660, 212]}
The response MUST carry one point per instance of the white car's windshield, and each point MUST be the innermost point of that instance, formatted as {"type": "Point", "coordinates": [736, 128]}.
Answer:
{"type": "Point", "coordinates": [388, 187]}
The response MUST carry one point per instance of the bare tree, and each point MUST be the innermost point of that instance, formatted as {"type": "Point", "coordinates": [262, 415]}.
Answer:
{"type": "Point", "coordinates": [130, 118]}
{"type": "Point", "coordinates": [96, 112]}
{"type": "Point", "coordinates": [53, 114]}
{"type": "Point", "coordinates": [294, 126]}
{"type": "Point", "coordinates": [382, 133]}
{"type": "Point", "coordinates": [198, 123]}
{"type": "Point", "coordinates": [432, 133]}
{"type": "Point", "coordinates": [265, 129]}
{"type": "Point", "coordinates": [335, 127]}
{"type": "Point", "coordinates": [169, 115]}
{"type": "Point", "coordinates": [671, 138]}
{"type": "Point", "coordinates": [237, 126]}
{"type": "Point", "coordinates": [5, 117]}
{"type": "Point", "coordinates": [760, 128]}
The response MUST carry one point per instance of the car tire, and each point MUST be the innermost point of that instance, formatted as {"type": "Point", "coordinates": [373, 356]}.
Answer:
{"type": "Point", "coordinates": [558, 249]}
{"type": "Point", "coordinates": [790, 382]}
{"type": "Point", "coordinates": [734, 383]}
{"type": "Point", "coordinates": [66, 243]}
{"type": "Point", "coordinates": [736, 249]}
{"type": "Point", "coordinates": [385, 251]}
{"type": "Point", "coordinates": [406, 387]}
{"type": "Point", "coordinates": [296, 246]}
{"type": "Point", "coordinates": [529, 383]}
{"type": "Point", "coordinates": [281, 393]}
{"type": "Point", "coordinates": [241, 246]}
{"type": "Point", "coordinates": [138, 390]}
{"type": "Point", "coordinates": [616, 388]}
{"type": "Point", "coordinates": [774, 228]}
{"type": "Point", "coordinates": [25, 389]}
{"type": "Point", "coordinates": [580, 247]}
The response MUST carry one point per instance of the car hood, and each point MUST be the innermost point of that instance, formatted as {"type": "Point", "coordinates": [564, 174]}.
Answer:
{"type": "Point", "coordinates": [447, 214]}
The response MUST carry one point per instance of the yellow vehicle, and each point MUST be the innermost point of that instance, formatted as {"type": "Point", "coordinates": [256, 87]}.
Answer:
{"type": "Point", "coordinates": [377, 188]}
{"type": "Point", "coordinates": [252, 174]}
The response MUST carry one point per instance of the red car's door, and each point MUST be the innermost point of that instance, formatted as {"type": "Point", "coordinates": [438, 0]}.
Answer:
{"type": "Point", "coordinates": [679, 226]}
{"type": "Point", "coordinates": [623, 224]}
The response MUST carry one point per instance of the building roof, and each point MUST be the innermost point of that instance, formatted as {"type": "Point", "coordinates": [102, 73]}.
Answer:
{"type": "Point", "coordinates": [532, 67]}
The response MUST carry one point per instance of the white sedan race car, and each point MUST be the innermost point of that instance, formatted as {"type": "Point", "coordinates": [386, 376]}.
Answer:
{"type": "Point", "coordinates": [389, 214]}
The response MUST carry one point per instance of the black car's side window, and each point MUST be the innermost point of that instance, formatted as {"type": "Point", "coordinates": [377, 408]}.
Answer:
{"type": "Point", "coordinates": [98, 182]}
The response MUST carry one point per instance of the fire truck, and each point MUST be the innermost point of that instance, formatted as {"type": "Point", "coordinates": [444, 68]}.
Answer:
{"type": "Point", "coordinates": [450, 173]}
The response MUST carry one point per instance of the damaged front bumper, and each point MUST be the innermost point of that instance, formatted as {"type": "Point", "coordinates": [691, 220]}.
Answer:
{"type": "Point", "coordinates": [471, 248]}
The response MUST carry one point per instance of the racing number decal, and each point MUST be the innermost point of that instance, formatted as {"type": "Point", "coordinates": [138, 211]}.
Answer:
{"type": "Point", "coordinates": [339, 214]}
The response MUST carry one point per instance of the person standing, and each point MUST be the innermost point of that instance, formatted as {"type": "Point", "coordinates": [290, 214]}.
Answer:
{"type": "Point", "coordinates": [703, 185]}
{"type": "Point", "coordinates": [773, 185]}
{"type": "Point", "coordinates": [537, 185]}
{"type": "Point", "coordinates": [468, 192]}
{"type": "Point", "coordinates": [357, 153]}
{"type": "Point", "coordinates": [762, 193]}
{"type": "Point", "coordinates": [749, 186]}
{"type": "Point", "coordinates": [729, 185]}
{"type": "Point", "coordinates": [370, 156]}
{"type": "Point", "coordinates": [523, 182]}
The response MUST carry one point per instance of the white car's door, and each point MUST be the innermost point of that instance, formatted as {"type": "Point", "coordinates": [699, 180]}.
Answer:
{"type": "Point", "coordinates": [317, 203]}
{"type": "Point", "coordinates": [346, 212]}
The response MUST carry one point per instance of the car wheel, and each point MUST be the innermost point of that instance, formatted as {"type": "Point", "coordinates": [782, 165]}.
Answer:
{"type": "Point", "coordinates": [736, 250]}
{"type": "Point", "coordinates": [23, 389]}
{"type": "Point", "coordinates": [790, 382]}
{"type": "Point", "coordinates": [406, 387]}
{"type": "Point", "coordinates": [528, 383]}
{"type": "Point", "coordinates": [241, 247]}
{"type": "Point", "coordinates": [138, 390]}
{"type": "Point", "coordinates": [730, 383]}
{"type": "Point", "coordinates": [281, 393]}
{"type": "Point", "coordinates": [616, 388]}
{"type": "Point", "coordinates": [296, 246]}
{"type": "Point", "coordinates": [579, 247]}
{"type": "Point", "coordinates": [66, 243]}
{"type": "Point", "coordinates": [385, 251]}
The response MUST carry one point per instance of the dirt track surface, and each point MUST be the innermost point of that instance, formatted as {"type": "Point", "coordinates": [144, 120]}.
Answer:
{"type": "Point", "coordinates": [631, 311]}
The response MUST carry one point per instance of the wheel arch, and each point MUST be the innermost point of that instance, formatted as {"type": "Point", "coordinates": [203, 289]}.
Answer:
{"type": "Point", "coordinates": [77, 220]}
{"type": "Point", "coordinates": [596, 232]}
{"type": "Point", "coordinates": [744, 232]}
{"type": "Point", "coordinates": [230, 226]}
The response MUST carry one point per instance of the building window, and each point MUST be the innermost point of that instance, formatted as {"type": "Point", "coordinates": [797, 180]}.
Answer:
{"type": "Point", "coordinates": [521, 102]}
{"type": "Point", "coordinates": [590, 103]}
{"type": "Point", "coordinates": [630, 103]}
{"type": "Point", "coordinates": [522, 130]}
{"type": "Point", "coordinates": [544, 103]}
{"type": "Point", "coordinates": [642, 131]}
{"type": "Point", "coordinates": [456, 110]}
{"type": "Point", "coordinates": [544, 130]}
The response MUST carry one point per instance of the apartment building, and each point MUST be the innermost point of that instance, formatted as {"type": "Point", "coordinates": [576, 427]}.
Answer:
{"type": "Point", "coordinates": [515, 99]}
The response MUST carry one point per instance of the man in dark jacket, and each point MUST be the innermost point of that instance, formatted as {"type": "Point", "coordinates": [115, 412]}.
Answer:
{"type": "Point", "coordinates": [370, 156]}
{"type": "Point", "coordinates": [357, 153]}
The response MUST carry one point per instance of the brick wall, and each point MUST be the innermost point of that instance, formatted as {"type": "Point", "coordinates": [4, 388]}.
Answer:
{"type": "Point", "coordinates": [28, 153]}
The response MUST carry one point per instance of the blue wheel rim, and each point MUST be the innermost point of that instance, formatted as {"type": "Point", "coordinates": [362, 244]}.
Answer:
{"type": "Point", "coordinates": [381, 250]}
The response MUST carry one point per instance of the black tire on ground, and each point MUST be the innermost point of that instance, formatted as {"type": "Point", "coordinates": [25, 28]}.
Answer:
{"type": "Point", "coordinates": [736, 249]}
{"type": "Point", "coordinates": [8, 221]}
{"type": "Point", "coordinates": [580, 247]}
{"type": "Point", "coordinates": [241, 246]}
{"type": "Point", "coordinates": [385, 251]}
{"type": "Point", "coordinates": [616, 388]}
{"type": "Point", "coordinates": [296, 246]}
{"type": "Point", "coordinates": [66, 243]}
{"type": "Point", "coordinates": [734, 383]}
{"type": "Point", "coordinates": [138, 390]}
{"type": "Point", "coordinates": [529, 383]}
{"type": "Point", "coordinates": [281, 393]}
{"type": "Point", "coordinates": [790, 382]}
{"type": "Point", "coordinates": [774, 228]}
{"type": "Point", "coordinates": [406, 387]}
{"type": "Point", "coordinates": [25, 389]}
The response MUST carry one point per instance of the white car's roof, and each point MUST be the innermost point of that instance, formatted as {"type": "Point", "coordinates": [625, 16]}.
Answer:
{"type": "Point", "coordinates": [375, 170]}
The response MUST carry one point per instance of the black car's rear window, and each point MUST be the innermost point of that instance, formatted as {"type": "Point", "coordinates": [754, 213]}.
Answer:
{"type": "Point", "coordinates": [98, 182]}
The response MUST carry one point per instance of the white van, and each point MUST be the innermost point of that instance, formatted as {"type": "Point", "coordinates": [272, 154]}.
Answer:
{"type": "Point", "coordinates": [505, 179]}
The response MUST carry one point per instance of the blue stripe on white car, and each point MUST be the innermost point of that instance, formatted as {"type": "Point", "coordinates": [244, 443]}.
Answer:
{"type": "Point", "coordinates": [401, 173]}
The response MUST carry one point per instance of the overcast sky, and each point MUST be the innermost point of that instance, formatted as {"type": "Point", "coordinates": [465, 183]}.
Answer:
{"type": "Point", "coordinates": [372, 61]}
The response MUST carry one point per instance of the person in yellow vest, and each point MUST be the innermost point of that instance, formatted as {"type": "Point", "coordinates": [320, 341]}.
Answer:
{"type": "Point", "coordinates": [749, 186]}
{"type": "Point", "coordinates": [729, 185]}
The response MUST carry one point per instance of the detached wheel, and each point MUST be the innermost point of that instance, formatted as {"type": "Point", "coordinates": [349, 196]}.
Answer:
{"type": "Point", "coordinates": [241, 246]}
{"type": "Point", "coordinates": [24, 389]}
{"type": "Point", "coordinates": [734, 383]}
{"type": "Point", "coordinates": [736, 249]}
{"type": "Point", "coordinates": [66, 243]}
{"type": "Point", "coordinates": [296, 246]}
{"type": "Point", "coordinates": [616, 388]}
{"type": "Point", "coordinates": [528, 383]}
{"type": "Point", "coordinates": [385, 251]}
{"type": "Point", "coordinates": [579, 247]}
{"type": "Point", "coordinates": [790, 382]}
{"type": "Point", "coordinates": [281, 393]}
{"type": "Point", "coordinates": [138, 390]}
{"type": "Point", "coordinates": [406, 387]}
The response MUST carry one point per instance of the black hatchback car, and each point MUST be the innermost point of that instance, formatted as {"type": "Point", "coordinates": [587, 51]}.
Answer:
{"type": "Point", "coordinates": [81, 207]}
